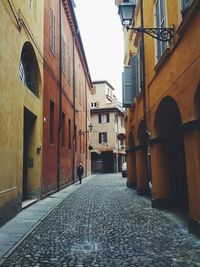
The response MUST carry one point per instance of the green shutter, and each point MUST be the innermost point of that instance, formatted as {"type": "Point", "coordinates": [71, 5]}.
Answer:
{"type": "Point", "coordinates": [130, 82]}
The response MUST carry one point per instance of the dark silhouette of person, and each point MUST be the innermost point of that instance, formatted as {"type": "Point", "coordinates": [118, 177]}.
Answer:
{"type": "Point", "coordinates": [80, 171]}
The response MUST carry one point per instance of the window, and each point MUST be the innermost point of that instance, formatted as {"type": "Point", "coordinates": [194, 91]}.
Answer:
{"type": "Point", "coordinates": [69, 69]}
{"type": "Point", "coordinates": [139, 69]}
{"type": "Point", "coordinates": [102, 138]}
{"type": "Point", "coordinates": [69, 133]}
{"type": "Point", "coordinates": [28, 69]}
{"type": "Point", "coordinates": [93, 104]}
{"type": "Point", "coordinates": [80, 141]}
{"type": "Point", "coordinates": [104, 118]}
{"type": "Point", "coordinates": [52, 32]}
{"type": "Point", "coordinates": [62, 55]}
{"type": "Point", "coordinates": [75, 136]}
{"type": "Point", "coordinates": [30, 5]}
{"type": "Point", "coordinates": [116, 119]}
{"type": "Point", "coordinates": [63, 129]}
{"type": "Point", "coordinates": [184, 6]}
{"type": "Point", "coordinates": [51, 123]}
{"type": "Point", "coordinates": [160, 23]}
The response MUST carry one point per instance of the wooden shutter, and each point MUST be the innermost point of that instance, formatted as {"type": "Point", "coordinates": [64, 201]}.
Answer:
{"type": "Point", "coordinates": [108, 118]}
{"type": "Point", "coordinates": [130, 82]}
{"type": "Point", "coordinates": [99, 118]}
{"type": "Point", "coordinates": [99, 138]}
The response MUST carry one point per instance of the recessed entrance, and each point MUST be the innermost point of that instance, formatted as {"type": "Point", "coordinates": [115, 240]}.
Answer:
{"type": "Point", "coordinates": [167, 124]}
{"type": "Point", "coordinates": [28, 161]}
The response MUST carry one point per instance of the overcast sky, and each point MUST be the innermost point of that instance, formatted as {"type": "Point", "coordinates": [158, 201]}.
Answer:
{"type": "Point", "coordinates": [102, 37]}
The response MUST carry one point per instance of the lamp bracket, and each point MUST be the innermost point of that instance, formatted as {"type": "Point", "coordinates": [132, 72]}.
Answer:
{"type": "Point", "coordinates": [161, 34]}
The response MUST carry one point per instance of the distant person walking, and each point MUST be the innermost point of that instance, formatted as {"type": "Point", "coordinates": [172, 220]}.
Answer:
{"type": "Point", "coordinates": [80, 171]}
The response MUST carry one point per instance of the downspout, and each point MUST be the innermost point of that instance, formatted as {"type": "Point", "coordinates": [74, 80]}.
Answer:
{"type": "Point", "coordinates": [74, 106]}
{"type": "Point", "coordinates": [60, 95]}
{"type": "Point", "coordinates": [86, 128]}
{"type": "Point", "coordinates": [144, 95]}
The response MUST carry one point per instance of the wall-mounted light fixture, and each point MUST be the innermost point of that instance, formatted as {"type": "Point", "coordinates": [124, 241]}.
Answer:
{"type": "Point", "coordinates": [90, 126]}
{"type": "Point", "coordinates": [126, 13]}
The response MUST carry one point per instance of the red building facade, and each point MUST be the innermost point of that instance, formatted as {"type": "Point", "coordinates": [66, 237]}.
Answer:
{"type": "Point", "coordinates": [66, 85]}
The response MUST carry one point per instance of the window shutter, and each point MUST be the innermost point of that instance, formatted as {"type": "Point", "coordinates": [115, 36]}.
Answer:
{"type": "Point", "coordinates": [99, 138]}
{"type": "Point", "coordinates": [185, 4]}
{"type": "Point", "coordinates": [134, 65]}
{"type": "Point", "coordinates": [99, 118]}
{"type": "Point", "coordinates": [127, 96]}
{"type": "Point", "coordinates": [130, 82]}
{"type": "Point", "coordinates": [108, 118]}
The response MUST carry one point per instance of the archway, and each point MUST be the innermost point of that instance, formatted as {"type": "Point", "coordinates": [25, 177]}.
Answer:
{"type": "Point", "coordinates": [131, 162]}
{"type": "Point", "coordinates": [167, 126]}
{"type": "Point", "coordinates": [142, 160]}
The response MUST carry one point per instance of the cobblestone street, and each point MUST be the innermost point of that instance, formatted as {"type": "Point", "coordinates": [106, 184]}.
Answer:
{"type": "Point", "coordinates": [103, 223]}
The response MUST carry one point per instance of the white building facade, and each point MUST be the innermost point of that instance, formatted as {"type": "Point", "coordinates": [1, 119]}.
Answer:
{"type": "Point", "coordinates": [107, 118]}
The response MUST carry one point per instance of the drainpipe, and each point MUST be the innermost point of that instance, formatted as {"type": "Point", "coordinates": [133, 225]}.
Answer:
{"type": "Point", "coordinates": [74, 108]}
{"type": "Point", "coordinates": [86, 127]}
{"type": "Point", "coordinates": [144, 94]}
{"type": "Point", "coordinates": [60, 95]}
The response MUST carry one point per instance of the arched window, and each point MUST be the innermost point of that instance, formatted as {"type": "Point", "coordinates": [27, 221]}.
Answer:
{"type": "Point", "coordinates": [28, 68]}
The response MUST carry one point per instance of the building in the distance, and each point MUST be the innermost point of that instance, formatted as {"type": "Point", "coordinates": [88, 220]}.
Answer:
{"type": "Point", "coordinates": [107, 118]}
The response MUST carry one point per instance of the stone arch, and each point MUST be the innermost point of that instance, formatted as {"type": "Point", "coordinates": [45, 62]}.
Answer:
{"type": "Point", "coordinates": [131, 162]}
{"type": "Point", "coordinates": [28, 68]}
{"type": "Point", "coordinates": [171, 154]}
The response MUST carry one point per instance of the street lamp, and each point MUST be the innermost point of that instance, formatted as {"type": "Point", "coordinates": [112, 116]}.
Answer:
{"type": "Point", "coordinates": [90, 126]}
{"type": "Point", "coordinates": [126, 13]}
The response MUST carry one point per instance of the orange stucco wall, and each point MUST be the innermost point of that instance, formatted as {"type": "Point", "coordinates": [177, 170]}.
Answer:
{"type": "Point", "coordinates": [176, 74]}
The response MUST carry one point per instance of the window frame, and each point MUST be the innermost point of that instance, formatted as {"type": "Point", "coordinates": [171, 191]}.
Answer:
{"type": "Point", "coordinates": [103, 137]}
{"type": "Point", "coordinates": [63, 67]}
{"type": "Point", "coordinates": [160, 21]}
{"type": "Point", "coordinates": [104, 118]}
{"type": "Point", "coordinates": [52, 32]}
{"type": "Point", "coordinates": [51, 122]}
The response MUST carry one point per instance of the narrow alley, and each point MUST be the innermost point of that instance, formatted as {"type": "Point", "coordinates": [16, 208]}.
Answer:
{"type": "Point", "coordinates": [102, 223]}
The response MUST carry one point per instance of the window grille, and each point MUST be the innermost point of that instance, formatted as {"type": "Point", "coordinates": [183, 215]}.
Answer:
{"type": "Point", "coordinates": [27, 70]}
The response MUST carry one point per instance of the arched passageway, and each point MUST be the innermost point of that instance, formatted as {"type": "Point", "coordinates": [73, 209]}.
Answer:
{"type": "Point", "coordinates": [131, 162]}
{"type": "Point", "coordinates": [142, 160]}
{"type": "Point", "coordinates": [172, 153]}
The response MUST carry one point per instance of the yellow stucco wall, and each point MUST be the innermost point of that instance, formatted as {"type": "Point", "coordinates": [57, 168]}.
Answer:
{"type": "Point", "coordinates": [14, 97]}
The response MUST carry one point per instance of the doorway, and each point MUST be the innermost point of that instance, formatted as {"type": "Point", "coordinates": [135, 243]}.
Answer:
{"type": "Point", "coordinates": [29, 122]}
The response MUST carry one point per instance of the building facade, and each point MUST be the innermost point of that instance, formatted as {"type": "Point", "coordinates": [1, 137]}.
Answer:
{"type": "Point", "coordinates": [44, 86]}
{"type": "Point", "coordinates": [21, 88]}
{"type": "Point", "coordinates": [162, 123]}
{"type": "Point", "coordinates": [66, 86]}
{"type": "Point", "coordinates": [107, 118]}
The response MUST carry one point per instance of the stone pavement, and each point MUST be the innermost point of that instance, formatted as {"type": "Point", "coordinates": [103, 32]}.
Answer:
{"type": "Point", "coordinates": [100, 223]}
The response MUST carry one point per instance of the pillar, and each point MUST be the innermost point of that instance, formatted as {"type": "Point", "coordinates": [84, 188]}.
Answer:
{"type": "Point", "coordinates": [142, 171]}
{"type": "Point", "coordinates": [131, 170]}
{"type": "Point", "coordinates": [160, 174]}
{"type": "Point", "coordinates": [192, 157]}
